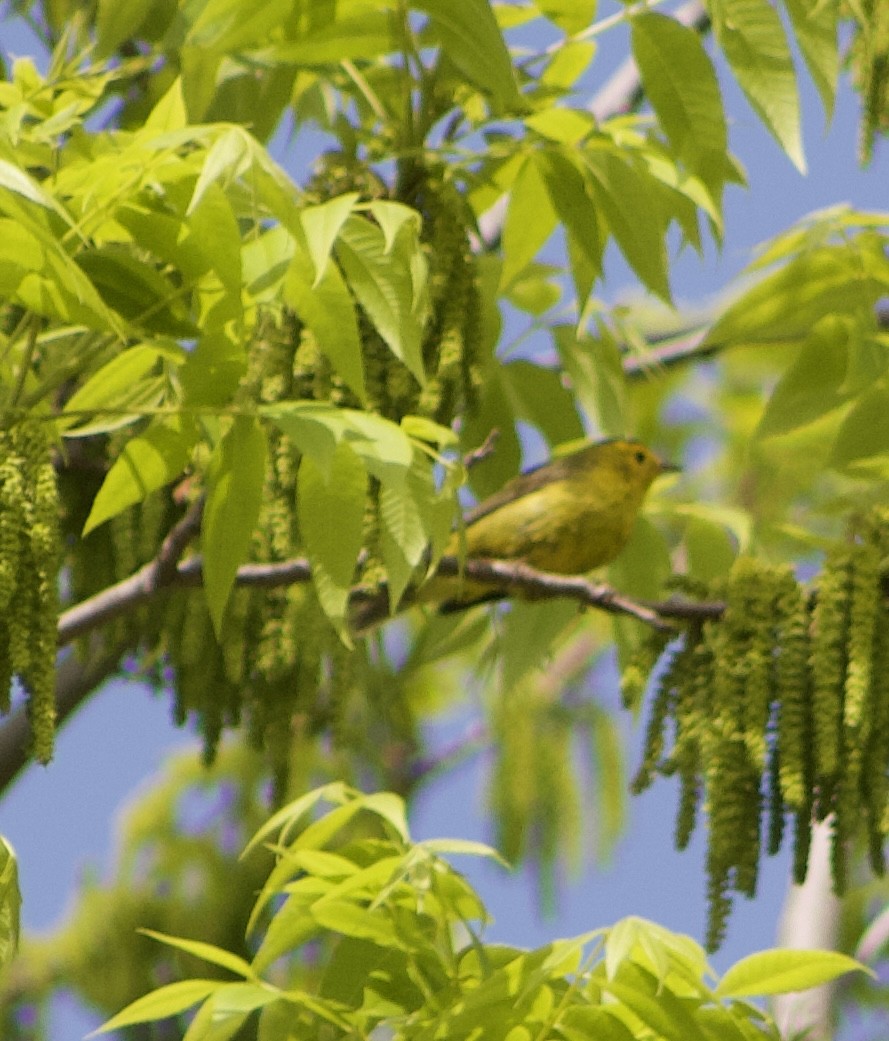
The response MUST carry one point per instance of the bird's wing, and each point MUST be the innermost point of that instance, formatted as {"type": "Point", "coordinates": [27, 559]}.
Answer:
{"type": "Point", "coordinates": [524, 484]}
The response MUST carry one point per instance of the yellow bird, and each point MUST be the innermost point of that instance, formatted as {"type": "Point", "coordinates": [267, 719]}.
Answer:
{"type": "Point", "coordinates": [569, 515]}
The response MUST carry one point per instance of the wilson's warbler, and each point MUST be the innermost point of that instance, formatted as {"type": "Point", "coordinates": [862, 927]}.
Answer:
{"type": "Point", "coordinates": [569, 515]}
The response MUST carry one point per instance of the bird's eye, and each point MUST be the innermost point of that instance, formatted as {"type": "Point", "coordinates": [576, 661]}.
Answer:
{"type": "Point", "coordinates": [639, 456]}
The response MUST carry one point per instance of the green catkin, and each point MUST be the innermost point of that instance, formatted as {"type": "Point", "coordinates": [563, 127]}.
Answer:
{"type": "Point", "coordinates": [828, 668]}
{"type": "Point", "coordinates": [759, 607]}
{"type": "Point", "coordinates": [869, 59]}
{"type": "Point", "coordinates": [875, 761]}
{"type": "Point", "coordinates": [781, 705]}
{"type": "Point", "coordinates": [802, 842]}
{"type": "Point", "coordinates": [5, 670]}
{"type": "Point", "coordinates": [343, 667]}
{"type": "Point", "coordinates": [858, 705]}
{"type": "Point", "coordinates": [661, 711]}
{"type": "Point", "coordinates": [776, 809]}
{"type": "Point", "coordinates": [557, 815]}
{"type": "Point", "coordinates": [634, 677]}
{"type": "Point", "coordinates": [793, 694]}
{"type": "Point", "coordinates": [513, 786]}
{"type": "Point", "coordinates": [690, 741]}
{"type": "Point", "coordinates": [30, 544]}
{"type": "Point", "coordinates": [725, 781]}
{"type": "Point", "coordinates": [191, 640]}
{"type": "Point", "coordinates": [685, 757]}
{"type": "Point", "coordinates": [13, 529]}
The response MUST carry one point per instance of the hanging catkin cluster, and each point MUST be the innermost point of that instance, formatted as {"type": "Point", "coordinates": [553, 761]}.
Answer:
{"type": "Point", "coordinates": [780, 710]}
{"type": "Point", "coordinates": [452, 333]}
{"type": "Point", "coordinates": [29, 564]}
{"type": "Point", "coordinates": [279, 663]}
{"type": "Point", "coordinates": [869, 61]}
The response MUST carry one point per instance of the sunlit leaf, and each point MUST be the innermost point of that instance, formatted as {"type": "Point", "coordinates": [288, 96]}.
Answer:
{"type": "Point", "coordinates": [147, 463]}
{"type": "Point", "coordinates": [236, 478]}
{"type": "Point", "coordinates": [782, 971]}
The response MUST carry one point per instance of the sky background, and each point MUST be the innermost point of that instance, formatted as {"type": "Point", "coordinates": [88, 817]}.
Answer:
{"type": "Point", "coordinates": [61, 819]}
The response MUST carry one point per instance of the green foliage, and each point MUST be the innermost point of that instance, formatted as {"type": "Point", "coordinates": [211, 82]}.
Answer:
{"type": "Point", "coordinates": [406, 955]}
{"type": "Point", "coordinates": [10, 903]}
{"type": "Point", "coordinates": [297, 349]}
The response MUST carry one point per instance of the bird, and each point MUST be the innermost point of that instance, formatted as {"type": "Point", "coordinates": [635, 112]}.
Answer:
{"type": "Point", "coordinates": [567, 516]}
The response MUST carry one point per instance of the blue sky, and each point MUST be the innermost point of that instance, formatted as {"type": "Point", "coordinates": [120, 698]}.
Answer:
{"type": "Point", "coordinates": [61, 818]}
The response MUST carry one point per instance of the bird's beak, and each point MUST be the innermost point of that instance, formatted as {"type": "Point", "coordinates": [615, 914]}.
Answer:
{"type": "Point", "coordinates": [670, 468]}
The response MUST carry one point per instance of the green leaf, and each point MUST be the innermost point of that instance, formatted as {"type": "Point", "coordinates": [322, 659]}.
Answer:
{"type": "Point", "coordinates": [530, 220]}
{"type": "Point", "coordinates": [161, 1003]}
{"type": "Point", "coordinates": [266, 261]}
{"type": "Point", "coordinates": [864, 433]}
{"type": "Point", "coordinates": [568, 64]}
{"type": "Point", "coordinates": [626, 196]}
{"type": "Point", "coordinates": [814, 383]}
{"type": "Point", "coordinates": [391, 217]}
{"type": "Point", "coordinates": [229, 25]}
{"type": "Point", "coordinates": [346, 918]}
{"type": "Point", "coordinates": [16, 180]}
{"type": "Point", "coordinates": [571, 16]}
{"type": "Point", "coordinates": [169, 114]}
{"type": "Point", "coordinates": [317, 428]}
{"type": "Point", "coordinates": [359, 33]}
{"type": "Point", "coordinates": [331, 509]}
{"type": "Point", "coordinates": [461, 848]}
{"type": "Point", "coordinates": [594, 367]}
{"type": "Point", "coordinates": [213, 369]}
{"type": "Point", "coordinates": [571, 196]}
{"type": "Point", "coordinates": [815, 26]}
{"type": "Point", "coordinates": [582, 1022]}
{"type": "Point", "coordinates": [118, 385]}
{"type": "Point", "coordinates": [403, 537]}
{"type": "Point", "coordinates": [383, 282]}
{"type": "Point", "coordinates": [236, 478]}
{"type": "Point", "coordinates": [786, 304]}
{"type": "Point", "coordinates": [290, 816]}
{"type": "Point", "coordinates": [421, 428]}
{"type": "Point", "coordinates": [217, 235]}
{"type": "Point", "coordinates": [206, 951]}
{"type": "Point", "coordinates": [10, 903]}
{"type": "Point", "coordinates": [291, 926]}
{"type": "Point", "coordinates": [117, 22]}
{"type": "Point", "coordinates": [227, 159]}
{"type": "Point", "coordinates": [20, 252]}
{"type": "Point", "coordinates": [781, 971]}
{"type": "Point", "coordinates": [137, 291]}
{"type": "Point", "coordinates": [752, 37]}
{"type": "Point", "coordinates": [566, 126]}
{"type": "Point", "coordinates": [680, 82]}
{"type": "Point", "coordinates": [147, 463]}
{"type": "Point", "coordinates": [322, 225]}
{"type": "Point", "coordinates": [658, 1007]}
{"type": "Point", "coordinates": [539, 396]}
{"type": "Point", "coordinates": [327, 308]}
{"type": "Point", "coordinates": [471, 38]}
{"type": "Point", "coordinates": [211, 1025]}
{"type": "Point", "coordinates": [710, 550]}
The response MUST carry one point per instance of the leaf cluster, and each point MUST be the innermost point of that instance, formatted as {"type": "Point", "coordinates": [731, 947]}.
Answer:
{"type": "Point", "coordinates": [406, 956]}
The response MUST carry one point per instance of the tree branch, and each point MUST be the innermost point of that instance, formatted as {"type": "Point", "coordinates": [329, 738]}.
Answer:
{"type": "Point", "coordinates": [139, 588]}
{"type": "Point", "coordinates": [120, 599]}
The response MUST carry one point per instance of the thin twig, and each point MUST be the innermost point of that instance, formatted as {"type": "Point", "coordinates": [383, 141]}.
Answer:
{"type": "Point", "coordinates": [486, 448]}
